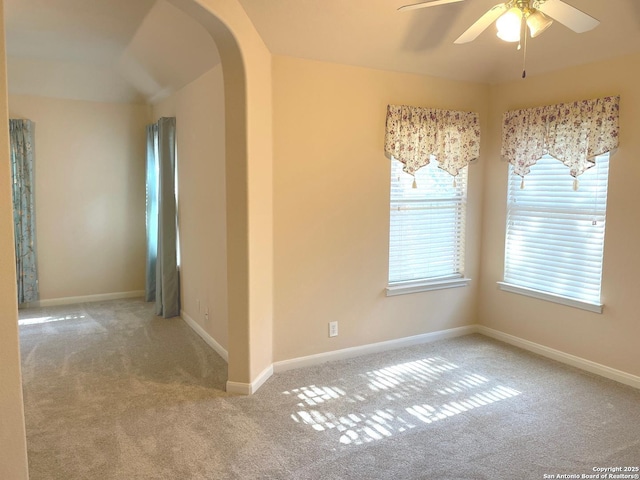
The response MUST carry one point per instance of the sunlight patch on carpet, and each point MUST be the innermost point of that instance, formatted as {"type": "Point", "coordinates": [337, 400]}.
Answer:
{"type": "Point", "coordinates": [451, 391]}
{"type": "Point", "coordinates": [40, 320]}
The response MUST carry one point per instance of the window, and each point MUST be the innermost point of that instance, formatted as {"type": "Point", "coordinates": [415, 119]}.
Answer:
{"type": "Point", "coordinates": [555, 234]}
{"type": "Point", "coordinates": [426, 242]}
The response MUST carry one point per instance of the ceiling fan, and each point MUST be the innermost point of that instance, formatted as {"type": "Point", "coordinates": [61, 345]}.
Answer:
{"type": "Point", "coordinates": [514, 16]}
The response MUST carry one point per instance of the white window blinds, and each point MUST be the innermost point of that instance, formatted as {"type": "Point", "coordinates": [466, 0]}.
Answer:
{"type": "Point", "coordinates": [427, 224]}
{"type": "Point", "coordinates": [555, 234]}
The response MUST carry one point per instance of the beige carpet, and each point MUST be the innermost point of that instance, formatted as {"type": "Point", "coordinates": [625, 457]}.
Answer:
{"type": "Point", "coordinates": [113, 392]}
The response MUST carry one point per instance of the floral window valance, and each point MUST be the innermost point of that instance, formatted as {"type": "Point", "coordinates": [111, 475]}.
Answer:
{"type": "Point", "coordinates": [413, 134]}
{"type": "Point", "coordinates": [574, 133]}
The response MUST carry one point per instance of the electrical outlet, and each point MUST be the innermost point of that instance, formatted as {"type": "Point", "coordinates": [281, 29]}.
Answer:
{"type": "Point", "coordinates": [333, 329]}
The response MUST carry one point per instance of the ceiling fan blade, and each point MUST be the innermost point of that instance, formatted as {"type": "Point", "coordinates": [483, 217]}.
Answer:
{"type": "Point", "coordinates": [482, 23]}
{"type": "Point", "coordinates": [569, 16]}
{"type": "Point", "coordinates": [434, 3]}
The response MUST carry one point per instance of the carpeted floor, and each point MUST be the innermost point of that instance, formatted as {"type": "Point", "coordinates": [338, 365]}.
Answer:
{"type": "Point", "coordinates": [113, 392]}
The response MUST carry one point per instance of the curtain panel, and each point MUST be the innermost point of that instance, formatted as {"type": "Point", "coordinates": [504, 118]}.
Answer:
{"type": "Point", "coordinates": [413, 134]}
{"type": "Point", "coordinates": [163, 279]}
{"type": "Point", "coordinates": [574, 133]}
{"type": "Point", "coordinates": [22, 172]}
{"type": "Point", "coordinates": [152, 212]}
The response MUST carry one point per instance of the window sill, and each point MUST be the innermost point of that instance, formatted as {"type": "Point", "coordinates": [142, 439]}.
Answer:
{"type": "Point", "coordinates": [403, 288]}
{"type": "Point", "coordinates": [550, 297]}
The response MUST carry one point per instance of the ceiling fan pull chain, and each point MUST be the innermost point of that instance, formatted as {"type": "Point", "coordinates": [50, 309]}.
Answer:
{"type": "Point", "coordinates": [524, 53]}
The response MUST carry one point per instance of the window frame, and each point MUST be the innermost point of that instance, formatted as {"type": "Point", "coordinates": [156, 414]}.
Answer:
{"type": "Point", "coordinates": [453, 280]}
{"type": "Point", "coordinates": [541, 294]}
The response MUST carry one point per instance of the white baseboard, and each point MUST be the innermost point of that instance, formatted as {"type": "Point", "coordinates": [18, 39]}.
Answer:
{"type": "Point", "coordinates": [209, 340]}
{"type": "Point", "coordinates": [345, 353]}
{"type": "Point", "coordinates": [232, 387]}
{"type": "Point", "coordinates": [574, 361]}
{"type": "Point", "coordinates": [102, 297]}
{"type": "Point", "coordinates": [250, 388]}
{"type": "Point", "coordinates": [307, 361]}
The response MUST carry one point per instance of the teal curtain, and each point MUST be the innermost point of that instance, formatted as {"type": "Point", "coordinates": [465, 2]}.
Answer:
{"type": "Point", "coordinates": [22, 172]}
{"type": "Point", "coordinates": [152, 212]}
{"type": "Point", "coordinates": [163, 279]}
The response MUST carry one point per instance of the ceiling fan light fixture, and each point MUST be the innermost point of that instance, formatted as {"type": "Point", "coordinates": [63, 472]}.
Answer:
{"type": "Point", "coordinates": [509, 25]}
{"type": "Point", "coordinates": [538, 22]}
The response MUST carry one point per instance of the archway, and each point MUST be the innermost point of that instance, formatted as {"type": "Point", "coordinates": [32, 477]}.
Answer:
{"type": "Point", "coordinates": [246, 67]}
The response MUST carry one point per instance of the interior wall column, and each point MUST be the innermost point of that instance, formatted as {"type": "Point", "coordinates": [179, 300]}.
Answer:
{"type": "Point", "coordinates": [246, 70]}
{"type": "Point", "coordinates": [13, 444]}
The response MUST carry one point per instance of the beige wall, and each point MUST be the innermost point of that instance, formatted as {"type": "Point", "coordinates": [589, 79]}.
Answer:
{"type": "Point", "coordinates": [611, 338]}
{"type": "Point", "coordinates": [13, 446]}
{"type": "Point", "coordinates": [199, 112]}
{"type": "Point", "coordinates": [90, 203]}
{"type": "Point", "coordinates": [331, 207]}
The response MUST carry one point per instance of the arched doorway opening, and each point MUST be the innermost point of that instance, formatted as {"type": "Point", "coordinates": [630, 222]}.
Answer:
{"type": "Point", "coordinates": [246, 67]}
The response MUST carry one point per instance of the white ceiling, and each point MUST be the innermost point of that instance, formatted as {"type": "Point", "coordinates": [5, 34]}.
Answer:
{"type": "Point", "coordinates": [103, 50]}
{"type": "Point", "coordinates": [372, 33]}
{"type": "Point", "coordinates": [153, 48]}
{"type": "Point", "coordinates": [92, 31]}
